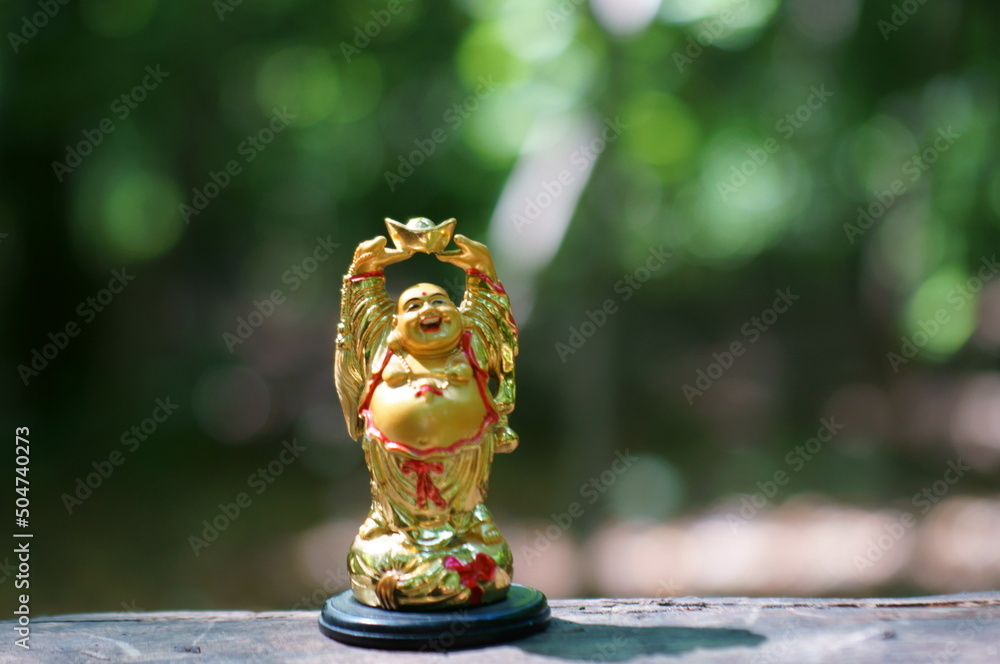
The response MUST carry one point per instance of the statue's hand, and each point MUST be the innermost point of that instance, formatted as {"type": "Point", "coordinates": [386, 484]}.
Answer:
{"type": "Point", "coordinates": [470, 255]}
{"type": "Point", "coordinates": [372, 256]}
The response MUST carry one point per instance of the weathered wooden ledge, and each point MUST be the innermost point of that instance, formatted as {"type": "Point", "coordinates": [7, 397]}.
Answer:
{"type": "Point", "coordinates": [951, 628]}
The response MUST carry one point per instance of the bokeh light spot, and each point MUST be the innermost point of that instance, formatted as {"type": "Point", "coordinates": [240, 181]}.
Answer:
{"type": "Point", "coordinates": [128, 213]}
{"type": "Point", "coordinates": [651, 489]}
{"type": "Point", "coordinates": [625, 17]}
{"type": "Point", "coordinates": [880, 148]}
{"type": "Point", "coordinates": [529, 33]}
{"type": "Point", "coordinates": [362, 90]}
{"type": "Point", "coordinates": [741, 206]}
{"type": "Point", "coordinates": [941, 313]}
{"type": "Point", "coordinates": [141, 215]}
{"type": "Point", "coordinates": [661, 129]}
{"type": "Point", "coordinates": [303, 79]}
{"type": "Point", "coordinates": [499, 129]}
{"type": "Point", "coordinates": [721, 23]}
{"type": "Point", "coordinates": [483, 53]}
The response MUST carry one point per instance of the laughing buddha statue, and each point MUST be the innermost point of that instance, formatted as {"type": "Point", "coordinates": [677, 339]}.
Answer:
{"type": "Point", "coordinates": [427, 386]}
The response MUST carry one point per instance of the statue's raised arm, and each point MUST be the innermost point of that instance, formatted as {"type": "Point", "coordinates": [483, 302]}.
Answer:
{"type": "Point", "coordinates": [366, 312]}
{"type": "Point", "coordinates": [487, 314]}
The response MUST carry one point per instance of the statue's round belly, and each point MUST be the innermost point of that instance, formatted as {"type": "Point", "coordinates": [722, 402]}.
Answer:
{"type": "Point", "coordinates": [430, 419]}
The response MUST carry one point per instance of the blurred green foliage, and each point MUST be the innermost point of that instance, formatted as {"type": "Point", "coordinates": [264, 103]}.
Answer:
{"type": "Point", "coordinates": [284, 118]}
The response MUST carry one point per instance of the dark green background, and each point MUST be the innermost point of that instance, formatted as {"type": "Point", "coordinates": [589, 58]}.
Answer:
{"type": "Point", "coordinates": [655, 185]}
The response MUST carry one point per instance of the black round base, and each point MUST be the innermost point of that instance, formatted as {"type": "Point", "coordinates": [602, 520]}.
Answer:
{"type": "Point", "coordinates": [522, 613]}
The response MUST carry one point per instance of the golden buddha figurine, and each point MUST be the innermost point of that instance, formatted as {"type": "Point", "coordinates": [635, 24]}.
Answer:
{"type": "Point", "coordinates": [427, 386]}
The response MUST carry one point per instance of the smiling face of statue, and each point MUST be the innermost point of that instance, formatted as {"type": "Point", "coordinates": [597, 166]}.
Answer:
{"type": "Point", "coordinates": [427, 321]}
